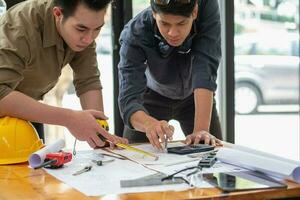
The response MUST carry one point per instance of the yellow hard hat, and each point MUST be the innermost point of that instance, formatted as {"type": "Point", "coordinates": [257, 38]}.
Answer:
{"type": "Point", "coordinates": [18, 139]}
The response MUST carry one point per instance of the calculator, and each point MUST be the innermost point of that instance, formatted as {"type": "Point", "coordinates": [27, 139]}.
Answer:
{"type": "Point", "coordinates": [189, 149]}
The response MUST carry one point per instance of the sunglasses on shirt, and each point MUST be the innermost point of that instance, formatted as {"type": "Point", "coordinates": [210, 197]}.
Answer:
{"type": "Point", "coordinates": [166, 2]}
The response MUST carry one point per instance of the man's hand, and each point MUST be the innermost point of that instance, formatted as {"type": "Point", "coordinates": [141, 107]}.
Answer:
{"type": "Point", "coordinates": [83, 126]}
{"type": "Point", "coordinates": [205, 136]}
{"type": "Point", "coordinates": [159, 131]}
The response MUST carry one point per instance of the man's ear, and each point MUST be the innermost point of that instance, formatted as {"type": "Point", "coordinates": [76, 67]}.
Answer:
{"type": "Point", "coordinates": [57, 12]}
{"type": "Point", "coordinates": [195, 12]}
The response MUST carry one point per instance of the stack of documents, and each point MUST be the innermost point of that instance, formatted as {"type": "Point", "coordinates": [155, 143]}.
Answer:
{"type": "Point", "coordinates": [266, 163]}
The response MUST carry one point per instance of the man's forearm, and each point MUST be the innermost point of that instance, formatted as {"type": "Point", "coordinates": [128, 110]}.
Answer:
{"type": "Point", "coordinates": [92, 100]}
{"type": "Point", "coordinates": [16, 104]}
{"type": "Point", "coordinates": [140, 120]}
{"type": "Point", "coordinates": [203, 107]}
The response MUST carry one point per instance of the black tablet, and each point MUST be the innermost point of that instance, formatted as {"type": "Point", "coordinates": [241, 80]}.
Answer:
{"type": "Point", "coordinates": [238, 181]}
{"type": "Point", "coordinates": [188, 149]}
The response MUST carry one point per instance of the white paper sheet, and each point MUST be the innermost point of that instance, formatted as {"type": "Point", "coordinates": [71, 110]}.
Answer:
{"type": "Point", "coordinates": [255, 160]}
{"type": "Point", "coordinates": [217, 167]}
{"type": "Point", "coordinates": [105, 180]}
{"type": "Point", "coordinates": [165, 159]}
{"type": "Point", "coordinates": [38, 157]}
{"type": "Point", "coordinates": [170, 163]}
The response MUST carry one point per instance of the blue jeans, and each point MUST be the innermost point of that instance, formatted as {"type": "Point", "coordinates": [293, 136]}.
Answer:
{"type": "Point", "coordinates": [163, 108]}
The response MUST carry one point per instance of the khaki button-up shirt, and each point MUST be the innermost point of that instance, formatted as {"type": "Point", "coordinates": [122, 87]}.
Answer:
{"type": "Point", "coordinates": [32, 53]}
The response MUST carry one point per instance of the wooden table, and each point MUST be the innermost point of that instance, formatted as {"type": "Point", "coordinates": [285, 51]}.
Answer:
{"type": "Point", "coordinates": [21, 182]}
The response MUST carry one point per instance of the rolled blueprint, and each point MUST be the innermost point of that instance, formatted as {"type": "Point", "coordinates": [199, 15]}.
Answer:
{"type": "Point", "coordinates": [38, 157]}
{"type": "Point", "coordinates": [266, 163]}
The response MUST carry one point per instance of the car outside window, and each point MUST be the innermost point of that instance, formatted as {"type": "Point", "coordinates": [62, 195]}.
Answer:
{"type": "Point", "coordinates": [282, 48]}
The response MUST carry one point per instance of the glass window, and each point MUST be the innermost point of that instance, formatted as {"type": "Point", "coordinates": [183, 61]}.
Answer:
{"type": "Point", "coordinates": [267, 76]}
{"type": "Point", "coordinates": [139, 5]}
{"type": "Point", "coordinates": [245, 49]}
{"type": "Point", "coordinates": [2, 7]}
{"type": "Point", "coordinates": [281, 48]}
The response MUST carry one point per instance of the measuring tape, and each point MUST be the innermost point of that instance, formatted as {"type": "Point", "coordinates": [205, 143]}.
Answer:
{"type": "Point", "coordinates": [103, 123]}
{"type": "Point", "coordinates": [105, 126]}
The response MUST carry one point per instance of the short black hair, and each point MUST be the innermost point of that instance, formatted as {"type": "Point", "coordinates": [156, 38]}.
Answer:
{"type": "Point", "coordinates": [69, 6]}
{"type": "Point", "coordinates": [174, 8]}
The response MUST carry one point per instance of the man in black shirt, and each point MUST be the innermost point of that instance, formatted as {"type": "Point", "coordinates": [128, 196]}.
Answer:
{"type": "Point", "coordinates": [168, 69]}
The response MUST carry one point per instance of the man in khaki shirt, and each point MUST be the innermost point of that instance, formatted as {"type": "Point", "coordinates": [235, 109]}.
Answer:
{"type": "Point", "coordinates": [37, 39]}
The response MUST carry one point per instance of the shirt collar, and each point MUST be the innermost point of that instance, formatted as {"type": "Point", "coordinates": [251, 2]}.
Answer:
{"type": "Point", "coordinates": [184, 48]}
{"type": "Point", "coordinates": [51, 35]}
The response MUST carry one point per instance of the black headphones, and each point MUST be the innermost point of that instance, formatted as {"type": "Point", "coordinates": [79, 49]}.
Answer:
{"type": "Point", "coordinates": [166, 50]}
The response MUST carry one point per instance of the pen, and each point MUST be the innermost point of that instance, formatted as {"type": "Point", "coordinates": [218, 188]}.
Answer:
{"type": "Point", "coordinates": [166, 143]}
{"type": "Point", "coordinates": [166, 138]}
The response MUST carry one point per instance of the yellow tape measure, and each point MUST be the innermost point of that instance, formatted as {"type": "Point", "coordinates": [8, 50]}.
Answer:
{"type": "Point", "coordinates": [131, 148]}
{"type": "Point", "coordinates": [105, 126]}
{"type": "Point", "coordinates": [103, 123]}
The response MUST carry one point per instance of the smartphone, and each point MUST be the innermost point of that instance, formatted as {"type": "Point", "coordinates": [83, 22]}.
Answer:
{"type": "Point", "coordinates": [238, 181]}
{"type": "Point", "coordinates": [188, 149]}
